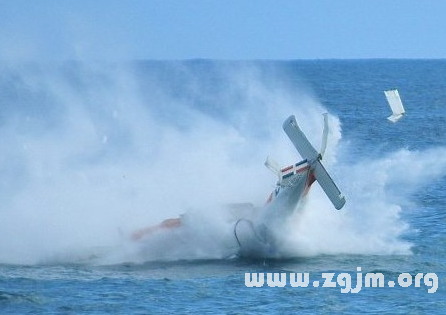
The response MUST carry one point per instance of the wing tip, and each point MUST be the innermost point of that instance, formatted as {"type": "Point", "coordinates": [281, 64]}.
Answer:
{"type": "Point", "coordinates": [291, 120]}
{"type": "Point", "coordinates": [339, 205]}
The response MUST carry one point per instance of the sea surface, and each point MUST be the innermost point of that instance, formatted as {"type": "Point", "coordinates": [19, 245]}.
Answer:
{"type": "Point", "coordinates": [91, 152]}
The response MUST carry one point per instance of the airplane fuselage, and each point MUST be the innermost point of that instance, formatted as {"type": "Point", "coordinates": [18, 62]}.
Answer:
{"type": "Point", "coordinates": [258, 237]}
{"type": "Point", "coordinates": [258, 230]}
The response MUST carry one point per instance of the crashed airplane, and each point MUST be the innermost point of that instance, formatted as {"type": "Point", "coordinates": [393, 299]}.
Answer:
{"type": "Point", "coordinates": [255, 229]}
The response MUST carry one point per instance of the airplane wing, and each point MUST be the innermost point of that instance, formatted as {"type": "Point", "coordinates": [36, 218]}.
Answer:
{"type": "Point", "coordinates": [299, 139]}
{"type": "Point", "coordinates": [396, 105]}
{"type": "Point", "coordinates": [307, 151]}
{"type": "Point", "coordinates": [328, 185]}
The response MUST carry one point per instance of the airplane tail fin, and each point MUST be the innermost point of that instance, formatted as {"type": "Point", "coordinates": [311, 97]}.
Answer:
{"type": "Point", "coordinates": [308, 152]}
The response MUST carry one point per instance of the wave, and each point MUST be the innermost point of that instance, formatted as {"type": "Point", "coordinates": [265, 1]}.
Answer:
{"type": "Point", "coordinates": [92, 152]}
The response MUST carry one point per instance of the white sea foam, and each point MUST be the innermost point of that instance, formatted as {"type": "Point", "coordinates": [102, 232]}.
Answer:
{"type": "Point", "coordinates": [371, 222]}
{"type": "Point", "coordinates": [90, 157]}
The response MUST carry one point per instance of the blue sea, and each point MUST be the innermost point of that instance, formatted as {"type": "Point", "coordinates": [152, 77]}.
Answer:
{"type": "Point", "coordinates": [92, 152]}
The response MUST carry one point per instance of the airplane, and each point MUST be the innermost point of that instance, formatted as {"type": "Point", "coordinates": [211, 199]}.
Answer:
{"type": "Point", "coordinates": [255, 229]}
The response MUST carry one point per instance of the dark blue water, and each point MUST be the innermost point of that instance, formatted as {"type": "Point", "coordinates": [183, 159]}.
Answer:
{"type": "Point", "coordinates": [70, 133]}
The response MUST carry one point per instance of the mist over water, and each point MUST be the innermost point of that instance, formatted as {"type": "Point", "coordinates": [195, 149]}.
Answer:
{"type": "Point", "coordinates": [92, 152]}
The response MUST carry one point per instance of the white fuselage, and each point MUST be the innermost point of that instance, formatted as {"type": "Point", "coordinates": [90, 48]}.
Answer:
{"type": "Point", "coordinates": [257, 237]}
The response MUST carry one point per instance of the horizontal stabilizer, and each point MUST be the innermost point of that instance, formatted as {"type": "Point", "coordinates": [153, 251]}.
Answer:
{"type": "Point", "coordinates": [328, 185]}
{"type": "Point", "coordinates": [273, 166]}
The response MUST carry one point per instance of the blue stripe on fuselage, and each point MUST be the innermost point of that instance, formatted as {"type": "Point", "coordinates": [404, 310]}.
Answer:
{"type": "Point", "coordinates": [301, 162]}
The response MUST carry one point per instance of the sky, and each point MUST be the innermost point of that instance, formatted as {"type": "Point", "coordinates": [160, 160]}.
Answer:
{"type": "Point", "coordinates": [221, 29]}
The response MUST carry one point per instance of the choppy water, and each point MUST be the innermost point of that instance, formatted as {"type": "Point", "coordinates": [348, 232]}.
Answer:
{"type": "Point", "coordinates": [91, 152]}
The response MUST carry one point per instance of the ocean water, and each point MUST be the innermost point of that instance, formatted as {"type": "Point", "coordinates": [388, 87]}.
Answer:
{"type": "Point", "coordinates": [92, 152]}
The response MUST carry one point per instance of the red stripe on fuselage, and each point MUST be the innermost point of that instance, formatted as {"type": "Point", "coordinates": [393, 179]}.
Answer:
{"type": "Point", "coordinates": [304, 168]}
{"type": "Point", "coordinates": [287, 168]}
